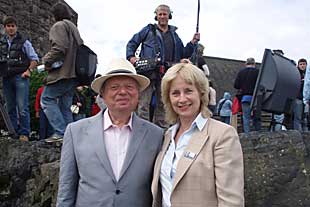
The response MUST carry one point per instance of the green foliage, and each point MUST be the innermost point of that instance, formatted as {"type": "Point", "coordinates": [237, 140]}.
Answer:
{"type": "Point", "coordinates": [36, 80]}
{"type": "Point", "coordinates": [90, 97]}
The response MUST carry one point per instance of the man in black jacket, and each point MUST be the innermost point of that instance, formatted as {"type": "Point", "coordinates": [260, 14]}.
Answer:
{"type": "Point", "coordinates": [245, 83]}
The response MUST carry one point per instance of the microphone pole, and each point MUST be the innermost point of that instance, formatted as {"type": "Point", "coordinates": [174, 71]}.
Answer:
{"type": "Point", "coordinates": [197, 30]}
{"type": "Point", "coordinates": [198, 12]}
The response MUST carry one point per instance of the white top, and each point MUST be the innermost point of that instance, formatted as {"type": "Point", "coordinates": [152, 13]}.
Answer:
{"type": "Point", "coordinates": [212, 96]}
{"type": "Point", "coordinates": [174, 154]}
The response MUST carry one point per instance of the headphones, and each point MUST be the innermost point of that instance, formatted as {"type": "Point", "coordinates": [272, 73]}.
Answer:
{"type": "Point", "coordinates": [163, 6]}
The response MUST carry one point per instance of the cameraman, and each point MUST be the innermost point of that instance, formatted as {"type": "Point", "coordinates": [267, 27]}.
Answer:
{"type": "Point", "coordinates": [168, 49]}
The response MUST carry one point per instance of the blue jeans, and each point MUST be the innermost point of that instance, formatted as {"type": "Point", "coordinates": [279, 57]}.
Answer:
{"type": "Point", "coordinates": [246, 117]}
{"type": "Point", "coordinates": [298, 112]}
{"type": "Point", "coordinates": [56, 100]}
{"type": "Point", "coordinates": [16, 95]}
{"type": "Point", "coordinates": [278, 118]}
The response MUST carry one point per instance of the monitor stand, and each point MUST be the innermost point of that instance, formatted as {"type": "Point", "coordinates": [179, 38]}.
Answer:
{"type": "Point", "coordinates": [7, 120]}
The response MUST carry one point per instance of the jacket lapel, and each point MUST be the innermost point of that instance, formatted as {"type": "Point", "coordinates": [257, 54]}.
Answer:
{"type": "Point", "coordinates": [138, 134]}
{"type": "Point", "coordinates": [158, 162]}
{"type": "Point", "coordinates": [191, 152]}
{"type": "Point", "coordinates": [96, 132]}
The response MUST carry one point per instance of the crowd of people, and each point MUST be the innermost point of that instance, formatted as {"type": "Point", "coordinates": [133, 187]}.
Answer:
{"type": "Point", "coordinates": [137, 137]}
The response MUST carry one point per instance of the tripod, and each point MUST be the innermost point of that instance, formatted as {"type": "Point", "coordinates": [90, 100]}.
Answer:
{"type": "Point", "coordinates": [7, 120]}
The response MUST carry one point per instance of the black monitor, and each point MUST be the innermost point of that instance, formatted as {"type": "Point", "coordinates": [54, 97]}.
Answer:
{"type": "Point", "coordinates": [277, 84]}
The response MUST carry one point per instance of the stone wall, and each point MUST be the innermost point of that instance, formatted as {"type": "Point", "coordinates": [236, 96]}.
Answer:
{"type": "Point", "coordinates": [277, 171]}
{"type": "Point", "coordinates": [33, 18]}
{"type": "Point", "coordinates": [277, 168]}
{"type": "Point", "coordinates": [28, 174]}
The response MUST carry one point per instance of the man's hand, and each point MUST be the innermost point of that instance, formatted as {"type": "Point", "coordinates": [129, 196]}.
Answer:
{"type": "Point", "coordinates": [196, 38]}
{"type": "Point", "coordinates": [37, 115]}
{"type": "Point", "coordinates": [133, 60]}
{"type": "Point", "coordinates": [26, 74]}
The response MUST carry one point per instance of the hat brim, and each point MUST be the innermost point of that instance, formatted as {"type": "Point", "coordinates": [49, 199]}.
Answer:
{"type": "Point", "coordinates": [143, 81]}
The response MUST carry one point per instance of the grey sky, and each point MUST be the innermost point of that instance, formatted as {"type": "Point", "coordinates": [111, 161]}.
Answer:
{"type": "Point", "coordinates": [234, 29]}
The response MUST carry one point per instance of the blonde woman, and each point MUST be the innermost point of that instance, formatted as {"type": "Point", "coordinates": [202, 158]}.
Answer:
{"type": "Point", "coordinates": [201, 162]}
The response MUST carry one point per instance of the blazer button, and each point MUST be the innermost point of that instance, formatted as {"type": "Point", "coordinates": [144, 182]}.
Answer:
{"type": "Point", "coordinates": [117, 192]}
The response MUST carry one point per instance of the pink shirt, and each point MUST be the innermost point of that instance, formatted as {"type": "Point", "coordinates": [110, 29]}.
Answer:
{"type": "Point", "coordinates": [116, 142]}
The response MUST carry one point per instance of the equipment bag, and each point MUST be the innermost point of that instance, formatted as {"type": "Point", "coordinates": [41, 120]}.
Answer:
{"type": "Point", "coordinates": [85, 65]}
{"type": "Point", "coordinates": [221, 106]}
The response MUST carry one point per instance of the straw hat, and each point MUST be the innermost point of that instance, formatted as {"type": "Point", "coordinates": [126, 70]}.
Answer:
{"type": "Point", "coordinates": [120, 67]}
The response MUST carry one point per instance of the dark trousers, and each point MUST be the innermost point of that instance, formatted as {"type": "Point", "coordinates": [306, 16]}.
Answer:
{"type": "Point", "coordinates": [46, 129]}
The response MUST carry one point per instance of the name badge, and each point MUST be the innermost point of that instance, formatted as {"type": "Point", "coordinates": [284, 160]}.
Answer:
{"type": "Point", "coordinates": [190, 155]}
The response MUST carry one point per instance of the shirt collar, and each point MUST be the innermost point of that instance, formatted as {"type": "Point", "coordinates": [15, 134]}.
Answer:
{"type": "Point", "coordinates": [107, 122]}
{"type": "Point", "coordinates": [8, 39]}
{"type": "Point", "coordinates": [199, 122]}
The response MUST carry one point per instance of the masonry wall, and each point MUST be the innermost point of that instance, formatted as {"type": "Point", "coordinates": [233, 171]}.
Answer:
{"type": "Point", "coordinates": [33, 18]}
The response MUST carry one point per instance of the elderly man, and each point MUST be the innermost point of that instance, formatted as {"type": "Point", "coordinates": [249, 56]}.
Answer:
{"type": "Point", "coordinates": [107, 160]}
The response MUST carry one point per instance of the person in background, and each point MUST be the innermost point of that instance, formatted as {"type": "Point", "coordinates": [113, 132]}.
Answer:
{"type": "Point", "coordinates": [201, 161]}
{"type": "Point", "coordinates": [17, 60]}
{"type": "Point", "coordinates": [306, 95]}
{"type": "Point", "coordinates": [224, 108]}
{"type": "Point", "coordinates": [107, 159]}
{"type": "Point", "coordinates": [298, 106]}
{"type": "Point", "coordinates": [201, 62]}
{"type": "Point", "coordinates": [99, 101]}
{"type": "Point", "coordinates": [245, 84]}
{"type": "Point", "coordinates": [79, 101]}
{"type": "Point", "coordinates": [158, 42]}
{"type": "Point", "coordinates": [212, 98]}
{"type": "Point", "coordinates": [45, 129]}
{"type": "Point", "coordinates": [56, 98]}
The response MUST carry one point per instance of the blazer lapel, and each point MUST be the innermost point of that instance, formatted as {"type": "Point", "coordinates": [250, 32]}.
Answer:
{"type": "Point", "coordinates": [138, 134]}
{"type": "Point", "coordinates": [158, 162]}
{"type": "Point", "coordinates": [191, 152]}
{"type": "Point", "coordinates": [96, 132]}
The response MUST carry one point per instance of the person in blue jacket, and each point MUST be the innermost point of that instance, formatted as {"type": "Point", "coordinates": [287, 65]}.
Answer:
{"type": "Point", "coordinates": [161, 43]}
{"type": "Point", "coordinates": [224, 108]}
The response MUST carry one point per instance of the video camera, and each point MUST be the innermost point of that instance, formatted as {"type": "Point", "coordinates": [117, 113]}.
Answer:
{"type": "Point", "coordinates": [145, 65]}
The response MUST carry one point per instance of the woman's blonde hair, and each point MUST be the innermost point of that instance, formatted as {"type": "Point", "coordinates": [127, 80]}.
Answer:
{"type": "Point", "coordinates": [192, 75]}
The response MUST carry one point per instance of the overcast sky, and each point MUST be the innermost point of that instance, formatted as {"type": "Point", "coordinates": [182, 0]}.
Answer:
{"type": "Point", "coordinates": [234, 29]}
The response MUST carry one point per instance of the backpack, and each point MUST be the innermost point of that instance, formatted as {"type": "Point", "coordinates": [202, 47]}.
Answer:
{"type": "Point", "coordinates": [85, 65]}
{"type": "Point", "coordinates": [220, 106]}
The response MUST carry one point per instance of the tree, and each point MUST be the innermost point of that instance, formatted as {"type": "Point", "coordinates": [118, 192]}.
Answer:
{"type": "Point", "coordinates": [36, 81]}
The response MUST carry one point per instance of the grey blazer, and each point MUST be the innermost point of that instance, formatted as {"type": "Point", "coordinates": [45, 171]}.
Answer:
{"type": "Point", "coordinates": [86, 176]}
